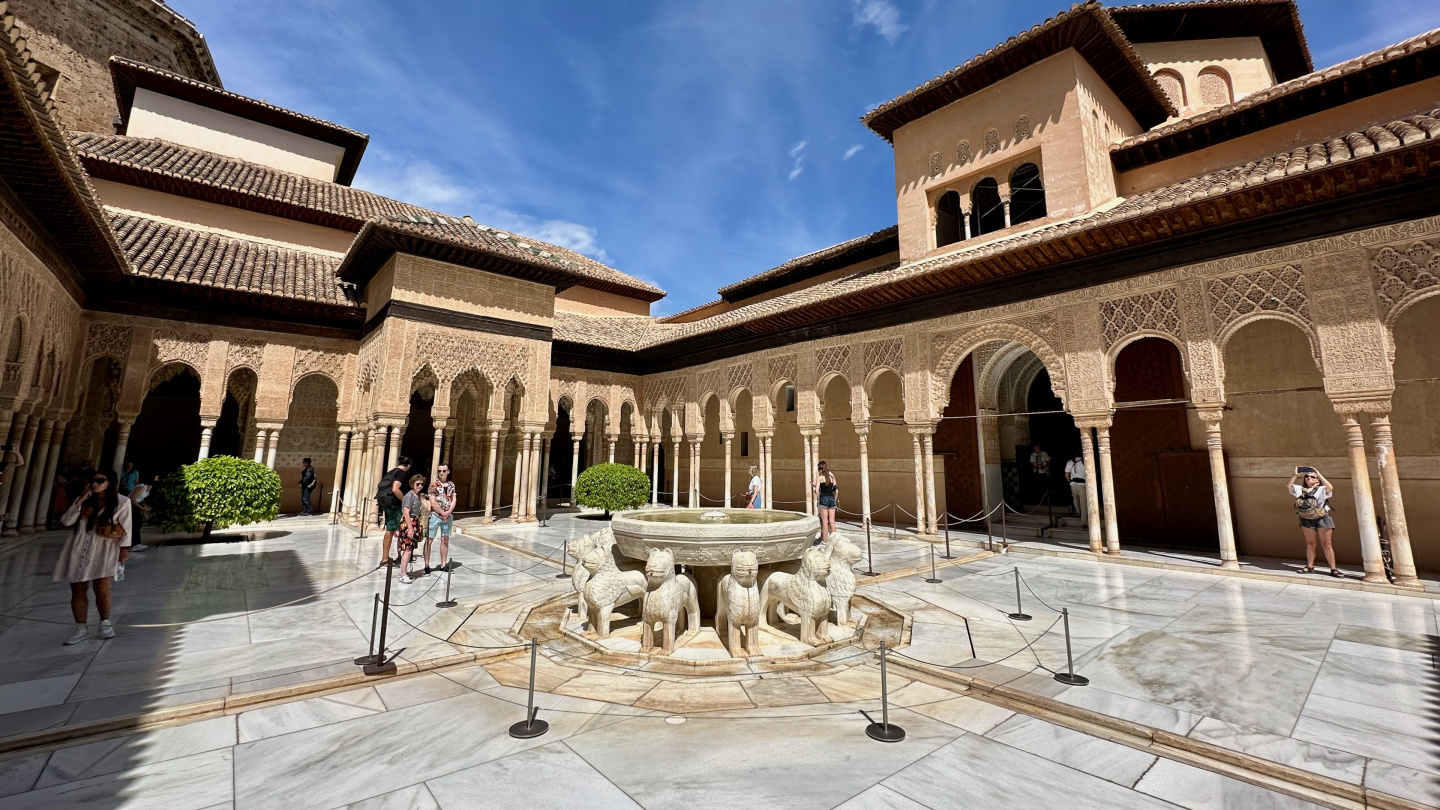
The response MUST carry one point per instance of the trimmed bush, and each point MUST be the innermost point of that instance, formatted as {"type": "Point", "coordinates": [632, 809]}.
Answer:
{"type": "Point", "coordinates": [216, 493]}
{"type": "Point", "coordinates": [612, 487]}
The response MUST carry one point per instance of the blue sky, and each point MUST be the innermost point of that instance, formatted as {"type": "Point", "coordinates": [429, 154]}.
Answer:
{"type": "Point", "coordinates": [690, 143]}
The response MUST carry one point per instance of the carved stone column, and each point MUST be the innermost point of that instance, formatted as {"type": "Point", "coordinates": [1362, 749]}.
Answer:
{"type": "Point", "coordinates": [261, 439]}
{"type": "Point", "coordinates": [396, 433]}
{"type": "Point", "coordinates": [1397, 529]}
{"type": "Point", "coordinates": [207, 431]}
{"type": "Point", "coordinates": [272, 447]}
{"type": "Point", "coordinates": [919, 462]}
{"type": "Point", "coordinates": [657, 448]}
{"type": "Point", "coordinates": [931, 510]}
{"type": "Point", "coordinates": [1107, 482]}
{"type": "Point", "coordinates": [767, 465]}
{"type": "Point", "coordinates": [675, 473]}
{"type": "Point", "coordinates": [33, 480]}
{"type": "Point", "coordinates": [1364, 502]}
{"type": "Point", "coordinates": [523, 478]}
{"type": "Point", "coordinates": [16, 492]}
{"type": "Point", "coordinates": [729, 439]}
{"type": "Point", "coordinates": [492, 448]}
{"type": "Point", "coordinates": [574, 464]}
{"type": "Point", "coordinates": [642, 454]}
{"type": "Point", "coordinates": [340, 447]}
{"type": "Point", "coordinates": [11, 438]}
{"type": "Point", "coordinates": [610, 440]}
{"type": "Point", "coordinates": [1092, 490]}
{"type": "Point", "coordinates": [352, 473]}
{"type": "Point", "coordinates": [862, 432]}
{"type": "Point", "coordinates": [39, 510]}
{"type": "Point", "coordinates": [809, 473]}
{"type": "Point", "coordinates": [539, 473]}
{"type": "Point", "coordinates": [1224, 523]}
{"type": "Point", "coordinates": [436, 447]}
{"type": "Point", "coordinates": [695, 473]}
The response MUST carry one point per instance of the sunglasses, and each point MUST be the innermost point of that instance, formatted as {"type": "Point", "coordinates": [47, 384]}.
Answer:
{"type": "Point", "coordinates": [101, 480]}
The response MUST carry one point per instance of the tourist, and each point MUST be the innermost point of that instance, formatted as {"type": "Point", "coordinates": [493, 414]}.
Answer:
{"type": "Point", "coordinates": [442, 506]}
{"type": "Point", "coordinates": [1040, 469]}
{"type": "Point", "coordinates": [1075, 474]}
{"type": "Point", "coordinates": [129, 479]}
{"type": "Point", "coordinates": [307, 483]}
{"type": "Point", "coordinates": [1312, 498]}
{"type": "Point", "coordinates": [137, 514]}
{"type": "Point", "coordinates": [826, 488]}
{"type": "Point", "coordinates": [410, 526]}
{"type": "Point", "coordinates": [97, 546]}
{"type": "Point", "coordinates": [755, 499]}
{"type": "Point", "coordinates": [388, 500]}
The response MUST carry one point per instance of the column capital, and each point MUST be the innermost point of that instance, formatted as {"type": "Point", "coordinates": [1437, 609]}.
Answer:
{"type": "Point", "coordinates": [1101, 420]}
{"type": "Point", "coordinates": [810, 432]}
{"type": "Point", "coordinates": [920, 431]}
{"type": "Point", "coordinates": [766, 433]}
{"type": "Point", "coordinates": [862, 429]}
{"type": "Point", "coordinates": [1372, 405]}
{"type": "Point", "coordinates": [209, 424]}
{"type": "Point", "coordinates": [727, 435]}
{"type": "Point", "coordinates": [441, 422]}
{"type": "Point", "coordinates": [1210, 413]}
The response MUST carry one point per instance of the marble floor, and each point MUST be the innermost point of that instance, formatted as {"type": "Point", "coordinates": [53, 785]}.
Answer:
{"type": "Point", "coordinates": [1341, 683]}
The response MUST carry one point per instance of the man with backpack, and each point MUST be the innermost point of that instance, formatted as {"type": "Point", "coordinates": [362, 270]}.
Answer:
{"type": "Point", "coordinates": [388, 497]}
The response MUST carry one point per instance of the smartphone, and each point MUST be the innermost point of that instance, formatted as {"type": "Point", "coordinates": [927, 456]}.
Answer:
{"type": "Point", "coordinates": [1303, 470]}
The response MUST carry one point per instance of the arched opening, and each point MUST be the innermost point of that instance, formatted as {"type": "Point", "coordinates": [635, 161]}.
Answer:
{"type": "Point", "coordinates": [465, 437]}
{"type": "Point", "coordinates": [311, 431]}
{"type": "Point", "coordinates": [166, 434]}
{"type": "Point", "coordinates": [1163, 493]}
{"type": "Point", "coordinates": [987, 213]}
{"type": "Point", "coordinates": [1173, 85]}
{"type": "Point", "coordinates": [1279, 417]}
{"type": "Point", "coordinates": [94, 437]}
{"type": "Point", "coordinates": [418, 439]}
{"type": "Point", "coordinates": [747, 447]}
{"type": "Point", "coordinates": [669, 430]}
{"type": "Point", "coordinates": [957, 441]}
{"type": "Point", "coordinates": [788, 486]}
{"type": "Point", "coordinates": [511, 440]}
{"type": "Point", "coordinates": [1215, 89]}
{"type": "Point", "coordinates": [626, 448]}
{"type": "Point", "coordinates": [1027, 194]}
{"type": "Point", "coordinates": [562, 452]}
{"type": "Point", "coordinates": [839, 446]}
{"type": "Point", "coordinates": [1416, 424]}
{"type": "Point", "coordinates": [1055, 432]}
{"type": "Point", "coordinates": [595, 447]}
{"type": "Point", "coordinates": [948, 227]}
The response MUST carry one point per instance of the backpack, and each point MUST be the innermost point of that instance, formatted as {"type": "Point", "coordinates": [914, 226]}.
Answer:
{"type": "Point", "coordinates": [1307, 506]}
{"type": "Point", "coordinates": [384, 493]}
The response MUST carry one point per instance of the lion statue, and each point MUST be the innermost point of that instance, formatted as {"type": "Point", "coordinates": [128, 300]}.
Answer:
{"type": "Point", "coordinates": [804, 593]}
{"type": "Point", "coordinates": [737, 605]}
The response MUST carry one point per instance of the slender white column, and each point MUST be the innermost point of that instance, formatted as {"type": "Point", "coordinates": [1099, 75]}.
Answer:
{"type": "Point", "coordinates": [610, 440]}
{"type": "Point", "coordinates": [1092, 491]}
{"type": "Point", "coordinates": [729, 450]}
{"type": "Point", "coordinates": [574, 465]}
{"type": "Point", "coordinates": [122, 440]}
{"type": "Point", "coordinates": [809, 480]}
{"type": "Point", "coordinates": [1107, 482]}
{"type": "Point", "coordinates": [928, 449]}
{"type": "Point", "coordinates": [1224, 523]}
{"type": "Point", "coordinates": [490, 453]}
{"type": "Point", "coordinates": [1370, 552]}
{"type": "Point", "coordinates": [22, 476]}
{"type": "Point", "coordinates": [694, 474]}
{"type": "Point", "coordinates": [352, 472]}
{"type": "Point", "coordinates": [657, 448]}
{"type": "Point", "coordinates": [11, 437]}
{"type": "Point", "coordinates": [522, 479]}
{"type": "Point", "coordinates": [396, 433]}
{"type": "Point", "coordinates": [917, 451]}
{"type": "Point", "coordinates": [862, 432]}
{"type": "Point", "coordinates": [207, 431]}
{"type": "Point", "coordinates": [770, 471]}
{"type": "Point", "coordinates": [340, 447]}
{"type": "Point", "coordinates": [272, 449]}
{"type": "Point", "coordinates": [1397, 529]}
{"type": "Point", "coordinates": [675, 495]}
{"type": "Point", "coordinates": [261, 439]}
{"type": "Point", "coordinates": [39, 510]}
{"type": "Point", "coordinates": [515, 485]}
{"type": "Point", "coordinates": [24, 517]}
{"type": "Point", "coordinates": [435, 449]}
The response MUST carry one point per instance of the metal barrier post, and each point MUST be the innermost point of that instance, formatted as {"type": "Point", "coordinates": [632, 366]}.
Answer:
{"type": "Point", "coordinates": [448, 603]}
{"type": "Point", "coordinates": [883, 731]}
{"type": "Point", "coordinates": [1004, 533]}
{"type": "Point", "coordinates": [1069, 676]}
{"type": "Point", "coordinates": [369, 658]}
{"type": "Point", "coordinates": [564, 552]}
{"type": "Point", "coordinates": [948, 555]}
{"type": "Point", "coordinates": [380, 666]}
{"type": "Point", "coordinates": [530, 727]}
{"type": "Point", "coordinates": [933, 580]}
{"type": "Point", "coordinates": [869, 552]}
{"type": "Point", "coordinates": [1019, 615]}
{"type": "Point", "coordinates": [364, 505]}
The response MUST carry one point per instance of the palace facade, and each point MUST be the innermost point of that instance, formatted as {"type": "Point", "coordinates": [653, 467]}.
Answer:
{"type": "Point", "coordinates": [1154, 236]}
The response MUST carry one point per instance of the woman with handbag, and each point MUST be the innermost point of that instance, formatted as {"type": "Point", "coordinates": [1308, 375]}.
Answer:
{"type": "Point", "coordinates": [97, 546]}
{"type": "Point", "coordinates": [1312, 496]}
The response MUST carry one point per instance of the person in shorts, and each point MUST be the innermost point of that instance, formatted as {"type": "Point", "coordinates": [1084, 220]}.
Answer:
{"type": "Point", "coordinates": [1312, 504]}
{"type": "Point", "coordinates": [442, 506]}
{"type": "Point", "coordinates": [411, 530]}
{"type": "Point", "coordinates": [827, 489]}
{"type": "Point", "coordinates": [393, 485]}
{"type": "Point", "coordinates": [755, 492]}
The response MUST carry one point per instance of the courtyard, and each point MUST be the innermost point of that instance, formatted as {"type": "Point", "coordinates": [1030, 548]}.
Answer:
{"type": "Point", "coordinates": [1314, 679]}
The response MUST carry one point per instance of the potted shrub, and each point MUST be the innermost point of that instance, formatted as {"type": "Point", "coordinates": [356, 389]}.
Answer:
{"type": "Point", "coordinates": [612, 487]}
{"type": "Point", "coordinates": [216, 493]}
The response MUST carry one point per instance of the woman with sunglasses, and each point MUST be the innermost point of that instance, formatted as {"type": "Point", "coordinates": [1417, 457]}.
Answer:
{"type": "Point", "coordinates": [826, 490]}
{"type": "Point", "coordinates": [98, 544]}
{"type": "Point", "coordinates": [1312, 496]}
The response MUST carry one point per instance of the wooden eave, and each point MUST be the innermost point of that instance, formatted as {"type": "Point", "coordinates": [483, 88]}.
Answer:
{"type": "Point", "coordinates": [379, 240]}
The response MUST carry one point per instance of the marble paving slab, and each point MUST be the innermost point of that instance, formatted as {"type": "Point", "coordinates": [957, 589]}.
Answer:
{"type": "Point", "coordinates": [549, 777]}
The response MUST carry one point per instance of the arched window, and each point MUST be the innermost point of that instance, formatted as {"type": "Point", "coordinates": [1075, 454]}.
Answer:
{"type": "Point", "coordinates": [1215, 87]}
{"type": "Point", "coordinates": [948, 228]}
{"type": "Point", "coordinates": [935, 167]}
{"type": "Point", "coordinates": [1173, 85]}
{"type": "Point", "coordinates": [1027, 194]}
{"type": "Point", "coordinates": [986, 213]}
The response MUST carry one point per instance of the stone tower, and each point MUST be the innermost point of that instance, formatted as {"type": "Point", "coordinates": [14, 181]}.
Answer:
{"type": "Point", "coordinates": [73, 41]}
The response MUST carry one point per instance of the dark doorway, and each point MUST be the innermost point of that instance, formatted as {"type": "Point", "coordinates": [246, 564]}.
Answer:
{"type": "Point", "coordinates": [225, 439]}
{"type": "Point", "coordinates": [1055, 432]}
{"type": "Point", "coordinates": [166, 434]}
{"type": "Point", "coordinates": [418, 440]}
{"type": "Point", "coordinates": [561, 457]}
{"type": "Point", "coordinates": [957, 440]}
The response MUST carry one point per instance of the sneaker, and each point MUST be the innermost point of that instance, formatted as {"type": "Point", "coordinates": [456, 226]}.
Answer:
{"type": "Point", "coordinates": [139, 547]}
{"type": "Point", "coordinates": [406, 580]}
{"type": "Point", "coordinates": [107, 630]}
{"type": "Point", "coordinates": [82, 633]}
{"type": "Point", "coordinates": [427, 570]}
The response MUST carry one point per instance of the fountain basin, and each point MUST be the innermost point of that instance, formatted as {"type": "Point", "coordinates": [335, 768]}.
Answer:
{"type": "Point", "coordinates": [698, 538]}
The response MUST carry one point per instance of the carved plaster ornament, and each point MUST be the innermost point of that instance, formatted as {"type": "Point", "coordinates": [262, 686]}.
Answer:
{"type": "Point", "coordinates": [804, 593]}
{"type": "Point", "coordinates": [607, 587]}
{"type": "Point", "coordinates": [841, 582]}
{"type": "Point", "coordinates": [666, 595]}
{"type": "Point", "coordinates": [737, 605]}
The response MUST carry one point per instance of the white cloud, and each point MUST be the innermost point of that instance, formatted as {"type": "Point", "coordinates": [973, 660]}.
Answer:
{"type": "Point", "coordinates": [881, 15]}
{"type": "Point", "coordinates": [849, 153]}
{"type": "Point", "coordinates": [580, 238]}
{"type": "Point", "coordinates": [797, 152]}
{"type": "Point", "coordinates": [798, 148]}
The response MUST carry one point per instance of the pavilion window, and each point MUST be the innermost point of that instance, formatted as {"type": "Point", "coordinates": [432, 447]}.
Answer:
{"type": "Point", "coordinates": [987, 210]}
{"type": "Point", "coordinates": [744, 444]}
{"type": "Point", "coordinates": [1027, 194]}
{"type": "Point", "coordinates": [789, 399]}
{"type": "Point", "coordinates": [948, 227]}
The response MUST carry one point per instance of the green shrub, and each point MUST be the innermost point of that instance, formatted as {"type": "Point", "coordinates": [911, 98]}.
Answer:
{"type": "Point", "coordinates": [612, 487]}
{"type": "Point", "coordinates": [216, 493]}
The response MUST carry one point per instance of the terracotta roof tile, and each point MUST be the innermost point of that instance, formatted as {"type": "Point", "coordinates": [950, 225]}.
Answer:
{"type": "Point", "coordinates": [885, 240]}
{"type": "Point", "coordinates": [161, 250]}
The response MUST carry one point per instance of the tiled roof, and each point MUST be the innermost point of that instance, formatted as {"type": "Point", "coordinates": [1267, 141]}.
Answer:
{"type": "Point", "coordinates": [1275, 22]}
{"type": "Point", "coordinates": [1403, 63]}
{"type": "Point", "coordinates": [194, 53]}
{"type": "Point", "coordinates": [625, 333]}
{"type": "Point", "coordinates": [1087, 27]}
{"type": "Point", "coordinates": [127, 75]}
{"type": "Point", "coordinates": [162, 250]}
{"type": "Point", "coordinates": [885, 240]}
{"type": "Point", "coordinates": [205, 175]}
{"type": "Point", "coordinates": [1281, 167]}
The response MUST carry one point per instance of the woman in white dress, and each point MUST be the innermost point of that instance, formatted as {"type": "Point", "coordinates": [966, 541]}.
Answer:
{"type": "Point", "coordinates": [98, 543]}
